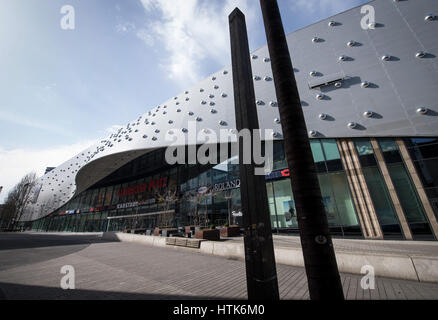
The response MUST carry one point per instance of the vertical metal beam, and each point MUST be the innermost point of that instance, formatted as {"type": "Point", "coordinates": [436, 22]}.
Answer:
{"type": "Point", "coordinates": [391, 189]}
{"type": "Point", "coordinates": [419, 186]}
{"type": "Point", "coordinates": [319, 256]}
{"type": "Point", "coordinates": [261, 274]}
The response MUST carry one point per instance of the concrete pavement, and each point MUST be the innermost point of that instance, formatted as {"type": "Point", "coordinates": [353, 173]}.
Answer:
{"type": "Point", "coordinates": [129, 270]}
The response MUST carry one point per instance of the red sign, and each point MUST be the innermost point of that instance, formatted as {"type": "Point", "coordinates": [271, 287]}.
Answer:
{"type": "Point", "coordinates": [285, 173]}
{"type": "Point", "coordinates": [151, 185]}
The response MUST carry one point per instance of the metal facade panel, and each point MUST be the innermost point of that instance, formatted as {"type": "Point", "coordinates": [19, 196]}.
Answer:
{"type": "Point", "coordinates": [397, 88]}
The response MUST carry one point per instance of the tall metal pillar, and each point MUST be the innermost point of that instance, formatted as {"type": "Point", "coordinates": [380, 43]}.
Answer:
{"type": "Point", "coordinates": [319, 256]}
{"type": "Point", "coordinates": [261, 271]}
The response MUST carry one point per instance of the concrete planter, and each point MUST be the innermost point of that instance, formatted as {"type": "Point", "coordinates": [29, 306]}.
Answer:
{"type": "Point", "coordinates": [232, 231]}
{"type": "Point", "coordinates": [208, 234]}
{"type": "Point", "coordinates": [189, 229]}
{"type": "Point", "coordinates": [168, 232]}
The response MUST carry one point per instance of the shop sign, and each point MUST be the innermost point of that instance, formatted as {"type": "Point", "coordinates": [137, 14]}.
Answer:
{"type": "Point", "coordinates": [202, 190]}
{"type": "Point", "coordinates": [226, 185]}
{"type": "Point", "coordinates": [127, 205]}
{"type": "Point", "coordinates": [278, 174]}
{"type": "Point", "coordinates": [152, 184]}
{"type": "Point", "coordinates": [236, 213]}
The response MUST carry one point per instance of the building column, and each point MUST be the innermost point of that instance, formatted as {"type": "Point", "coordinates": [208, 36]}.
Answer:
{"type": "Point", "coordinates": [419, 186]}
{"type": "Point", "coordinates": [361, 196]}
{"type": "Point", "coordinates": [392, 193]}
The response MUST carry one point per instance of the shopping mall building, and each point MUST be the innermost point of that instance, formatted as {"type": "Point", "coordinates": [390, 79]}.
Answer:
{"type": "Point", "coordinates": [369, 92]}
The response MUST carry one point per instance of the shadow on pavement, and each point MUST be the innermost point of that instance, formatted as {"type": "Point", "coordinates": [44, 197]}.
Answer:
{"type": "Point", "coordinates": [10, 291]}
{"type": "Point", "coordinates": [10, 241]}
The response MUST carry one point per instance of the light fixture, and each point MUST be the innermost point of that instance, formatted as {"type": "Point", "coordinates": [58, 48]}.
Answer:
{"type": "Point", "coordinates": [322, 116]}
{"type": "Point", "coordinates": [211, 96]}
{"type": "Point", "coordinates": [225, 72]}
{"type": "Point", "coordinates": [224, 95]}
{"type": "Point", "coordinates": [259, 102]}
{"type": "Point", "coordinates": [422, 110]}
{"type": "Point", "coordinates": [212, 110]}
{"type": "Point", "coordinates": [184, 130]}
{"type": "Point", "coordinates": [216, 87]}
{"type": "Point", "coordinates": [272, 103]}
{"type": "Point", "coordinates": [198, 119]}
{"type": "Point", "coordinates": [190, 113]}
{"type": "Point", "coordinates": [256, 78]}
{"type": "Point", "coordinates": [368, 114]}
{"type": "Point", "coordinates": [351, 43]}
{"type": "Point", "coordinates": [277, 120]}
{"type": "Point", "coordinates": [365, 84]}
{"type": "Point", "coordinates": [386, 57]}
{"type": "Point", "coordinates": [342, 58]}
{"type": "Point", "coordinates": [352, 125]}
{"type": "Point", "coordinates": [267, 78]}
{"type": "Point", "coordinates": [213, 78]}
{"type": "Point", "coordinates": [420, 54]}
{"type": "Point", "coordinates": [315, 39]}
{"type": "Point", "coordinates": [319, 96]}
{"type": "Point", "coordinates": [254, 56]}
{"type": "Point", "coordinates": [170, 121]}
{"type": "Point", "coordinates": [203, 102]}
{"type": "Point", "coordinates": [222, 123]}
{"type": "Point", "coordinates": [429, 17]}
{"type": "Point", "coordinates": [312, 73]}
{"type": "Point", "coordinates": [331, 23]}
{"type": "Point", "coordinates": [275, 134]}
{"type": "Point", "coordinates": [338, 84]}
{"type": "Point", "coordinates": [266, 59]}
{"type": "Point", "coordinates": [312, 133]}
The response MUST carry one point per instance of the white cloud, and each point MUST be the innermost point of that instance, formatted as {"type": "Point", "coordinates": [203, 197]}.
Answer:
{"type": "Point", "coordinates": [14, 164]}
{"type": "Point", "coordinates": [328, 7]}
{"type": "Point", "coordinates": [192, 31]}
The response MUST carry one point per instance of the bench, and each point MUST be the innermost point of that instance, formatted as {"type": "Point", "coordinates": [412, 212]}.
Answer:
{"type": "Point", "coordinates": [183, 242]}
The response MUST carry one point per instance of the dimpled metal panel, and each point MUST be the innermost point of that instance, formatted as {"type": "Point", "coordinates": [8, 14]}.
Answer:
{"type": "Point", "coordinates": [396, 89]}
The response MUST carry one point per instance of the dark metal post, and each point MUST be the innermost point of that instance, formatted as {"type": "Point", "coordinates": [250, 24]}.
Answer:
{"type": "Point", "coordinates": [261, 274]}
{"type": "Point", "coordinates": [319, 256]}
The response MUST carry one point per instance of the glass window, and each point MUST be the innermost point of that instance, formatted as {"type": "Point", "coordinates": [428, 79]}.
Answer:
{"type": "Point", "coordinates": [318, 156]}
{"type": "Point", "coordinates": [387, 144]}
{"type": "Point", "coordinates": [337, 200]}
{"type": "Point", "coordinates": [285, 204]}
{"type": "Point", "coordinates": [330, 149]}
{"type": "Point", "coordinates": [363, 147]}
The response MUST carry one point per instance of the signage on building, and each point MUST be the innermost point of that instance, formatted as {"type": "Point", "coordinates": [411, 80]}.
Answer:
{"type": "Point", "coordinates": [151, 185]}
{"type": "Point", "coordinates": [127, 205]}
{"type": "Point", "coordinates": [226, 185]}
{"type": "Point", "coordinates": [278, 174]}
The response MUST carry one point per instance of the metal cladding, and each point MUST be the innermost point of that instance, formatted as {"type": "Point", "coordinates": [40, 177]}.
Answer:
{"type": "Point", "coordinates": [344, 72]}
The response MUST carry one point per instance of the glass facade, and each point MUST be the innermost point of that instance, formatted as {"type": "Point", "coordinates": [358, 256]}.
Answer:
{"type": "Point", "coordinates": [378, 191]}
{"type": "Point", "coordinates": [147, 193]}
{"type": "Point", "coordinates": [405, 189]}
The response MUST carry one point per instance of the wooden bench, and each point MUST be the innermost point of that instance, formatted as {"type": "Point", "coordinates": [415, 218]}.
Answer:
{"type": "Point", "coordinates": [183, 242]}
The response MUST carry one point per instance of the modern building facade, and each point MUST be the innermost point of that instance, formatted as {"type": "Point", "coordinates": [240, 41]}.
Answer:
{"type": "Point", "coordinates": [369, 94]}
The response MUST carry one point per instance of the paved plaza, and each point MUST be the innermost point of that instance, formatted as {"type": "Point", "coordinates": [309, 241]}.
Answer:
{"type": "Point", "coordinates": [30, 267]}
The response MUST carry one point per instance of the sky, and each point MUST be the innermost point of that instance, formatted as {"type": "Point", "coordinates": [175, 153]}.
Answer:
{"type": "Point", "coordinates": [62, 90]}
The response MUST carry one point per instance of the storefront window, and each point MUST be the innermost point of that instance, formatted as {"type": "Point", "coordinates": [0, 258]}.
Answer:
{"type": "Point", "coordinates": [406, 192]}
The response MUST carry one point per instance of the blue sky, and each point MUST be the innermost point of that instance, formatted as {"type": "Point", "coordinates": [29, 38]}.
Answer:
{"type": "Point", "coordinates": [62, 90]}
